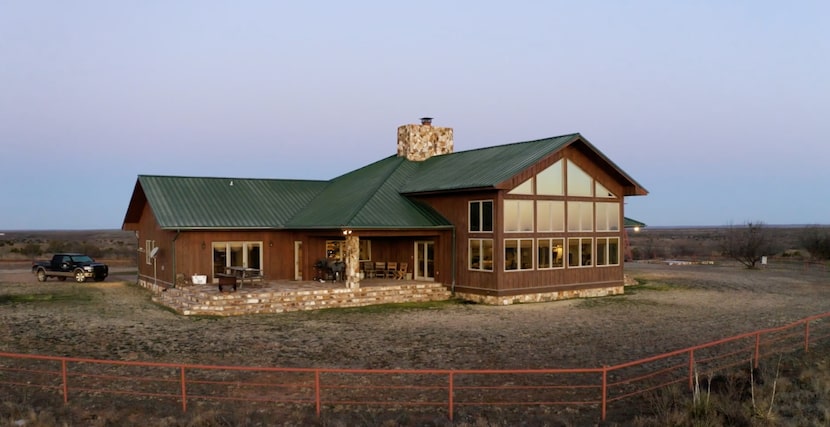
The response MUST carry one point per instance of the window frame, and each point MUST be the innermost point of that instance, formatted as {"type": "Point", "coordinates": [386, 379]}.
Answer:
{"type": "Point", "coordinates": [481, 214]}
{"type": "Point", "coordinates": [549, 252]}
{"type": "Point", "coordinates": [519, 255]}
{"type": "Point", "coordinates": [481, 255]}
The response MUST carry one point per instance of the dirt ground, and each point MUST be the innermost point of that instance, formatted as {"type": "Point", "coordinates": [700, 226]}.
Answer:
{"type": "Point", "coordinates": [679, 306]}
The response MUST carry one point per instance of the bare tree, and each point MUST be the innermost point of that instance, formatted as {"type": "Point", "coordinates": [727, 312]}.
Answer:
{"type": "Point", "coordinates": [747, 244]}
{"type": "Point", "coordinates": [817, 242]}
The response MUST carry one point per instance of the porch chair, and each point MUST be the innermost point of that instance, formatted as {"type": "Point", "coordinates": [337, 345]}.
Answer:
{"type": "Point", "coordinates": [391, 270]}
{"type": "Point", "coordinates": [380, 269]}
{"type": "Point", "coordinates": [400, 274]}
{"type": "Point", "coordinates": [368, 269]}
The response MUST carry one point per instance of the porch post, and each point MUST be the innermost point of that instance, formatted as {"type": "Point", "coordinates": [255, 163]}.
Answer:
{"type": "Point", "coordinates": [352, 261]}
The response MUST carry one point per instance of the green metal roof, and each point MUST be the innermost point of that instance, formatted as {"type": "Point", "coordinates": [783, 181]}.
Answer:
{"type": "Point", "coordinates": [193, 202]}
{"type": "Point", "coordinates": [370, 197]}
{"type": "Point", "coordinates": [482, 168]}
{"type": "Point", "coordinates": [632, 223]}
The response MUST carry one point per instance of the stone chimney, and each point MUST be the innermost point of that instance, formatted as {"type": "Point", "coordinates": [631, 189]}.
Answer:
{"type": "Point", "coordinates": [420, 142]}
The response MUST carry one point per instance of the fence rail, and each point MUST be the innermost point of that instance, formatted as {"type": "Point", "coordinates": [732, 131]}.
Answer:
{"type": "Point", "coordinates": [442, 389]}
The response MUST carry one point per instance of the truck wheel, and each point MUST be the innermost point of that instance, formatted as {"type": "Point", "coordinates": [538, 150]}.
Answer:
{"type": "Point", "coordinates": [41, 275]}
{"type": "Point", "coordinates": [79, 276]}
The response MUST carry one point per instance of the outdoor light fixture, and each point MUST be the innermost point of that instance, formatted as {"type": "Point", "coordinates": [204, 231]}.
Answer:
{"type": "Point", "coordinates": [347, 232]}
{"type": "Point", "coordinates": [203, 244]}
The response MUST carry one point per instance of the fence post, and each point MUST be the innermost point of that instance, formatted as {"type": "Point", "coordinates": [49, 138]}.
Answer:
{"type": "Point", "coordinates": [691, 368]}
{"type": "Point", "coordinates": [451, 392]}
{"type": "Point", "coordinates": [757, 350]}
{"type": "Point", "coordinates": [317, 390]}
{"type": "Point", "coordinates": [807, 335]}
{"type": "Point", "coordinates": [65, 382]}
{"type": "Point", "coordinates": [184, 389]}
{"type": "Point", "coordinates": [604, 391]}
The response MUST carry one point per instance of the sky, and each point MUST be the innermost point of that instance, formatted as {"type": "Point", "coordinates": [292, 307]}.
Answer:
{"type": "Point", "coordinates": [720, 109]}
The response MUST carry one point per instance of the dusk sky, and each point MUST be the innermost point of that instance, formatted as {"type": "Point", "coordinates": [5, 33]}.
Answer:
{"type": "Point", "coordinates": [721, 109]}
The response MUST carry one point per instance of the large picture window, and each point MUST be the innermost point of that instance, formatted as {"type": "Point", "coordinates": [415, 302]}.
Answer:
{"type": "Point", "coordinates": [481, 216]}
{"type": "Point", "coordinates": [518, 254]}
{"type": "Point", "coordinates": [608, 251]}
{"type": "Point", "coordinates": [518, 215]}
{"type": "Point", "coordinates": [481, 254]}
{"type": "Point", "coordinates": [580, 216]}
{"type": "Point", "coordinates": [550, 253]}
{"type": "Point", "coordinates": [549, 182]}
{"type": "Point", "coordinates": [608, 216]}
{"type": "Point", "coordinates": [579, 182]}
{"type": "Point", "coordinates": [550, 216]}
{"type": "Point", "coordinates": [579, 252]}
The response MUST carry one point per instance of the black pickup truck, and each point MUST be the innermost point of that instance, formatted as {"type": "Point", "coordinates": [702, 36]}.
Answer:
{"type": "Point", "coordinates": [78, 266]}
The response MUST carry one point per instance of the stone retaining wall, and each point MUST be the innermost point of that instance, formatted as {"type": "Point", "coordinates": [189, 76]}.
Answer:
{"type": "Point", "coordinates": [541, 297]}
{"type": "Point", "coordinates": [207, 301]}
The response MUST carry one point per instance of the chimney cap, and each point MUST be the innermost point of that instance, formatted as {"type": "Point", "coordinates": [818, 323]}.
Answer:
{"type": "Point", "coordinates": [426, 120]}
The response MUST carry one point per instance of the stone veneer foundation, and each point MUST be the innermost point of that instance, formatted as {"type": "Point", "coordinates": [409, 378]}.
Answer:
{"type": "Point", "coordinates": [541, 297]}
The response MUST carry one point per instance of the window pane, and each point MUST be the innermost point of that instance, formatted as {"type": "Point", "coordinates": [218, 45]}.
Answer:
{"type": "Point", "coordinates": [579, 182]}
{"type": "Point", "coordinates": [573, 252]}
{"type": "Point", "coordinates": [557, 216]}
{"type": "Point", "coordinates": [511, 215]}
{"type": "Point", "coordinates": [602, 248]}
{"type": "Point", "coordinates": [586, 252]}
{"type": "Point", "coordinates": [543, 253]}
{"type": "Point", "coordinates": [558, 252]}
{"type": "Point", "coordinates": [526, 215]}
{"type": "Point", "coordinates": [608, 216]}
{"type": "Point", "coordinates": [526, 254]}
{"type": "Point", "coordinates": [487, 216]}
{"type": "Point", "coordinates": [614, 251]}
{"type": "Point", "coordinates": [543, 215]}
{"type": "Point", "coordinates": [601, 191]}
{"type": "Point", "coordinates": [549, 181]}
{"type": "Point", "coordinates": [580, 216]}
{"type": "Point", "coordinates": [523, 188]}
{"type": "Point", "coordinates": [475, 216]}
{"type": "Point", "coordinates": [487, 254]}
{"type": "Point", "coordinates": [511, 254]}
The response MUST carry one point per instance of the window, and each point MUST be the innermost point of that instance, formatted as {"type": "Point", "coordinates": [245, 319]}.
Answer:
{"type": "Point", "coordinates": [523, 188]}
{"type": "Point", "coordinates": [608, 216]}
{"type": "Point", "coordinates": [603, 192]}
{"type": "Point", "coordinates": [580, 216]}
{"type": "Point", "coordinates": [236, 254]}
{"type": "Point", "coordinates": [365, 250]}
{"type": "Point", "coordinates": [608, 251]}
{"type": "Point", "coordinates": [148, 249]}
{"type": "Point", "coordinates": [518, 254]}
{"type": "Point", "coordinates": [480, 254]}
{"type": "Point", "coordinates": [549, 182]}
{"type": "Point", "coordinates": [481, 216]}
{"type": "Point", "coordinates": [550, 215]}
{"type": "Point", "coordinates": [518, 215]}
{"type": "Point", "coordinates": [579, 182]}
{"type": "Point", "coordinates": [579, 252]}
{"type": "Point", "coordinates": [550, 253]}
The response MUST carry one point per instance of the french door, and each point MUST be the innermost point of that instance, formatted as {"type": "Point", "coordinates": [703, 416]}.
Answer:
{"type": "Point", "coordinates": [424, 268]}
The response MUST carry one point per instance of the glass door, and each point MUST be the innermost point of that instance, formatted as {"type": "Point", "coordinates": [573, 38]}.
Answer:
{"type": "Point", "coordinates": [424, 260]}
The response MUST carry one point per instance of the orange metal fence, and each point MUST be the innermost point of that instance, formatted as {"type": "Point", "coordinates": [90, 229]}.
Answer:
{"type": "Point", "coordinates": [441, 389]}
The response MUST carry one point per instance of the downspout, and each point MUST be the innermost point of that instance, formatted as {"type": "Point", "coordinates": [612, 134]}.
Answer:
{"type": "Point", "coordinates": [173, 251]}
{"type": "Point", "coordinates": [454, 256]}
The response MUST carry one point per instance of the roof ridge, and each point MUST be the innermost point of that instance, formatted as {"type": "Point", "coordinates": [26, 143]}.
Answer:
{"type": "Point", "coordinates": [567, 135]}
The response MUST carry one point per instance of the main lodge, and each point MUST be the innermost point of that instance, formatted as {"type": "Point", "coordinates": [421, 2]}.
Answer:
{"type": "Point", "coordinates": [528, 221]}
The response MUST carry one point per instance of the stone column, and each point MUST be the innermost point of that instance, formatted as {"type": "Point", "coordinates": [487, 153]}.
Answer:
{"type": "Point", "coordinates": [352, 260]}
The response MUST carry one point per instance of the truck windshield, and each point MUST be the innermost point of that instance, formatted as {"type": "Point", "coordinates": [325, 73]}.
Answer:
{"type": "Point", "coordinates": [82, 258]}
